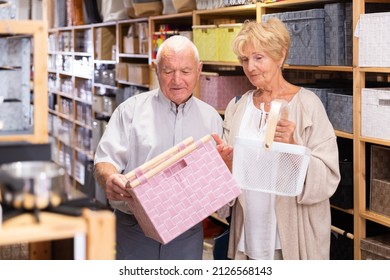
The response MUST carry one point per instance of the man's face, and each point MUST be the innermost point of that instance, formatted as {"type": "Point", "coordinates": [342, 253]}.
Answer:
{"type": "Point", "coordinates": [178, 74]}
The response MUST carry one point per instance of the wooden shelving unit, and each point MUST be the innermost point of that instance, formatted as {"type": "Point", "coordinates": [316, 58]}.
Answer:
{"type": "Point", "coordinates": [88, 231]}
{"type": "Point", "coordinates": [359, 215]}
{"type": "Point", "coordinates": [37, 32]}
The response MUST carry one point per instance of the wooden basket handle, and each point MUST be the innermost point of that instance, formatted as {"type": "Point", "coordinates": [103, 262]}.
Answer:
{"type": "Point", "coordinates": [279, 109]}
{"type": "Point", "coordinates": [164, 164]}
{"type": "Point", "coordinates": [158, 159]}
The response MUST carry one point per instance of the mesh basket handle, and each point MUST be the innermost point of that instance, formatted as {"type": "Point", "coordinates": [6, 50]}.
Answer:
{"type": "Point", "coordinates": [166, 163]}
{"type": "Point", "coordinates": [279, 108]}
{"type": "Point", "coordinates": [132, 175]}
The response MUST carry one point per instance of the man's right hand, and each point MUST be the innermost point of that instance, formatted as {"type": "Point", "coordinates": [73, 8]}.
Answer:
{"type": "Point", "coordinates": [116, 187]}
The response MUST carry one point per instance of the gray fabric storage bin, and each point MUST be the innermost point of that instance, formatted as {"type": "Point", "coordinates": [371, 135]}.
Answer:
{"type": "Point", "coordinates": [340, 111]}
{"type": "Point", "coordinates": [348, 34]}
{"type": "Point", "coordinates": [334, 34]}
{"type": "Point", "coordinates": [307, 30]}
{"type": "Point", "coordinates": [322, 94]}
{"type": "Point", "coordinates": [7, 10]}
{"type": "Point", "coordinates": [11, 116]}
{"type": "Point", "coordinates": [61, 16]}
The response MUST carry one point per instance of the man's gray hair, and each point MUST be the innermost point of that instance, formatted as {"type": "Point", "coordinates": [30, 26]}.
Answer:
{"type": "Point", "coordinates": [177, 43]}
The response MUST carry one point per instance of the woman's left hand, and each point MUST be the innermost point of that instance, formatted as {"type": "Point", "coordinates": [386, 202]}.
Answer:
{"type": "Point", "coordinates": [285, 132]}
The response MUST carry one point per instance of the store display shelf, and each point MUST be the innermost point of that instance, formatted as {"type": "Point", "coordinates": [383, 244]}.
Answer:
{"type": "Point", "coordinates": [51, 111]}
{"type": "Point", "coordinates": [82, 54]}
{"type": "Point", "coordinates": [93, 225]}
{"type": "Point", "coordinates": [344, 134]}
{"type": "Point", "coordinates": [88, 154]}
{"type": "Point", "coordinates": [104, 61]}
{"type": "Point", "coordinates": [65, 73]}
{"type": "Point", "coordinates": [375, 217]}
{"type": "Point", "coordinates": [88, 102]}
{"type": "Point", "coordinates": [79, 123]}
{"type": "Point", "coordinates": [86, 77]}
{"type": "Point", "coordinates": [295, 3]}
{"type": "Point", "coordinates": [63, 94]}
{"type": "Point", "coordinates": [172, 16]}
{"type": "Point", "coordinates": [105, 86]}
{"type": "Point", "coordinates": [64, 116]}
{"type": "Point", "coordinates": [348, 211]}
{"type": "Point", "coordinates": [375, 69]}
{"type": "Point", "coordinates": [133, 55]}
{"type": "Point", "coordinates": [132, 84]}
{"type": "Point", "coordinates": [319, 68]}
{"type": "Point", "coordinates": [375, 141]}
{"type": "Point", "coordinates": [63, 53]}
{"type": "Point", "coordinates": [236, 10]}
{"type": "Point", "coordinates": [219, 63]}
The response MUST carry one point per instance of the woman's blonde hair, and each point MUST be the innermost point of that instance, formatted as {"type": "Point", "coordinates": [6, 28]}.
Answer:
{"type": "Point", "coordinates": [271, 36]}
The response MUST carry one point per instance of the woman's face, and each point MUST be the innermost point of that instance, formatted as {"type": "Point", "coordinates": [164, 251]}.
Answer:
{"type": "Point", "coordinates": [178, 74]}
{"type": "Point", "coordinates": [260, 68]}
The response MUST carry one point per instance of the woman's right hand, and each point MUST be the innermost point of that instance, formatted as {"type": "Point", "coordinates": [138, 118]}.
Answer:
{"type": "Point", "coordinates": [224, 150]}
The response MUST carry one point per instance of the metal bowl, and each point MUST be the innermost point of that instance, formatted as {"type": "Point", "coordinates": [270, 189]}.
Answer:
{"type": "Point", "coordinates": [32, 184]}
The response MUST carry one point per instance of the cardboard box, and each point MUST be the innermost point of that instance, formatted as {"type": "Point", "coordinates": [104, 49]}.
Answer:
{"type": "Point", "coordinates": [138, 74]}
{"type": "Point", "coordinates": [131, 40]}
{"type": "Point", "coordinates": [105, 40]}
{"type": "Point", "coordinates": [130, 44]}
{"type": "Point", "coordinates": [121, 71]}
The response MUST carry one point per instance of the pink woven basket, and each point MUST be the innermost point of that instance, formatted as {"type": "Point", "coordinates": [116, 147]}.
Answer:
{"type": "Point", "coordinates": [178, 189]}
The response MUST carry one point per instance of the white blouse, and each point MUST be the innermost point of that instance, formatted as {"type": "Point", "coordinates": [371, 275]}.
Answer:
{"type": "Point", "coordinates": [260, 237]}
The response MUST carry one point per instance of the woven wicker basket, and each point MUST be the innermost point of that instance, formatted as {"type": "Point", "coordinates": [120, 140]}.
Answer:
{"type": "Point", "coordinates": [178, 189]}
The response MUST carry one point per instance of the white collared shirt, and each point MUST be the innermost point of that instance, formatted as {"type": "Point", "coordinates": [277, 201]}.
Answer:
{"type": "Point", "coordinates": [148, 124]}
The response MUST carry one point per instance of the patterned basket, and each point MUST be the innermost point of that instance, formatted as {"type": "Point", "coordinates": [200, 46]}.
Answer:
{"type": "Point", "coordinates": [376, 112]}
{"type": "Point", "coordinates": [268, 166]}
{"type": "Point", "coordinates": [226, 34]}
{"type": "Point", "coordinates": [218, 90]}
{"type": "Point", "coordinates": [205, 39]}
{"type": "Point", "coordinates": [374, 36]}
{"type": "Point", "coordinates": [380, 180]}
{"type": "Point", "coordinates": [375, 248]}
{"type": "Point", "coordinates": [307, 31]}
{"type": "Point", "coordinates": [179, 188]}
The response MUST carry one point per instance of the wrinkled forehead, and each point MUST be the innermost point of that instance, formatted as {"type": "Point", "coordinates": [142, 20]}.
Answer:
{"type": "Point", "coordinates": [178, 58]}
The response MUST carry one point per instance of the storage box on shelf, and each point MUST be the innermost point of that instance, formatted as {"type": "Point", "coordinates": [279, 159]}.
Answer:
{"type": "Point", "coordinates": [376, 112]}
{"type": "Point", "coordinates": [307, 31]}
{"type": "Point", "coordinates": [205, 38]}
{"type": "Point", "coordinates": [135, 39]}
{"type": "Point", "coordinates": [343, 197]}
{"type": "Point", "coordinates": [380, 180]}
{"type": "Point", "coordinates": [214, 41]}
{"type": "Point", "coordinates": [340, 111]}
{"type": "Point", "coordinates": [218, 89]}
{"type": "Point", "coordinates": [105, 46]}
{"type": "Point", "coordinates": [376, 248]}
{"type": "Point", "coordinates": [373, 40]}
{"type": "Point", "coordinates": [319, 36]}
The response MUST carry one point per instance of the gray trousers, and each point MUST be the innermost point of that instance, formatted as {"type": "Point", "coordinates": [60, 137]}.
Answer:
{"type": "Point", "coordinates": [132, 244]}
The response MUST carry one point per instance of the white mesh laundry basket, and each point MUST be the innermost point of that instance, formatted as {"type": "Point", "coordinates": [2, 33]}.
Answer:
{"type": "Point", "coordinates": [269, 166]}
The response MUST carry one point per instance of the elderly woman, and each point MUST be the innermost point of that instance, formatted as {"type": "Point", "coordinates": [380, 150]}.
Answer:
{"type": "Point", "coordinates": [268, 226]}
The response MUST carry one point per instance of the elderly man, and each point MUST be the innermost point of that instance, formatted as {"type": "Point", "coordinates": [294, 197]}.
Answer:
{"type": "Point", "coordinates": [144, 126]}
